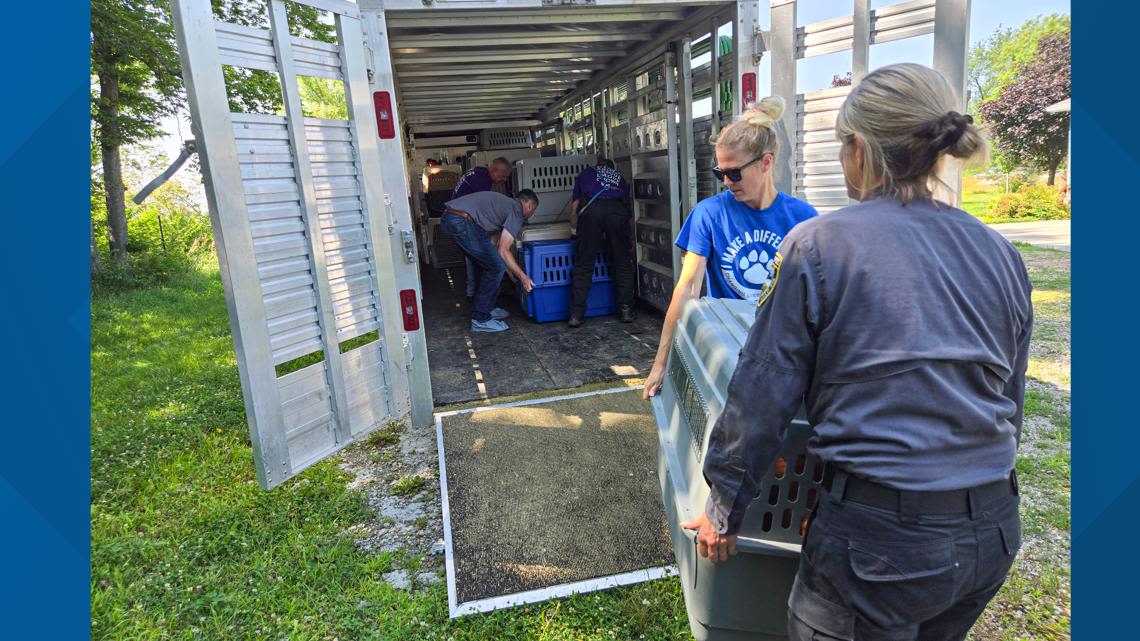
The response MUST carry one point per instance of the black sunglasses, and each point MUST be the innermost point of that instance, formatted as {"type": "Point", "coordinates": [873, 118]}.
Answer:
{"type": "Point", "coordinates": [734, 174]}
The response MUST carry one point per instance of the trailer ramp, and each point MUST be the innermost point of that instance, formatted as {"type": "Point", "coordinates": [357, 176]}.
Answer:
{"type": "Point", "coordinates": [552, 497]}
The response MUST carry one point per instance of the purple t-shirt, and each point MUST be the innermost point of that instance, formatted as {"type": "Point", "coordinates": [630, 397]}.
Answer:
{"type": "Point", "coordinates": [476, 180]}
{"type": "Point", "coordinates": [594, 179]}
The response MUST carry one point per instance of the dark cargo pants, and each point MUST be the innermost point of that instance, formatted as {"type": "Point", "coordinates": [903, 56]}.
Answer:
{"type": "Point", "coordinates": [873, 574]}
{"type": "Point", "coordinates": [606, 224]}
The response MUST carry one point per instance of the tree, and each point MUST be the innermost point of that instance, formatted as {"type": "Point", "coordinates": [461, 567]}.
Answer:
{"type": "Point", "coordinates": [997, 60]}
{"type": "Point", "coordinates": [1023, 131]}
{"type": "Point", "coordinates": [135, 68]}
{"type": "Point", "coordinates": [841, 81]}
{"type": "Point", "coordinates": [322, 98]}
{"type": "Point", "coordinates": [253, 90]}
{"type": "Point", "coordinates": [136, 82]}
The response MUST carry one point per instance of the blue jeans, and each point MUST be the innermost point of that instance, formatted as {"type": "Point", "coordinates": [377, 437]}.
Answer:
{"type": "Point", "coordinates": [489, 267]}
{"type": "Point", "coordinates": [869, 574]}
{"type": "Point", "coordinates": [470, 276]}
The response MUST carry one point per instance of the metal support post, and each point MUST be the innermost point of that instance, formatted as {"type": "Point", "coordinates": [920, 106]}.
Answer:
{"type": "Point", "coordinates": [669, 72]}
{"type": "Point", "coordinates": [951, 48]}
{"type": "Point", "coordinates": [684, 105]}
{"type": "Point", "coordinates": [746, 29]}
{"type": "Point", "coordinates": [714, 48]}
{"type": "Point", "coordinates": [393, 181]}
{"type": "Point", "coordinates": [783, 49]}
{"type": "Point", "coordinates": [861, 41]}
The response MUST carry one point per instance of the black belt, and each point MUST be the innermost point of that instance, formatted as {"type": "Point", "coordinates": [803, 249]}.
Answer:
{"type": "Point", "coordinates": [964, 501]}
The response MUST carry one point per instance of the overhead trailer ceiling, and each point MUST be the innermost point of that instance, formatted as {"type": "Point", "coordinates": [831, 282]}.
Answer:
{"type": "Point", "coordinates": [456, 68]}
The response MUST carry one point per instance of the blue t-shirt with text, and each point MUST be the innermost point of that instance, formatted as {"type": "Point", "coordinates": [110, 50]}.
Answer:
{"type": "Point", "coordinates": [739, 242]}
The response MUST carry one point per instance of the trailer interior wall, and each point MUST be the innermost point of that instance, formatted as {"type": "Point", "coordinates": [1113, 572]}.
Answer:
{"type": "Point", "coordinates": [578, 75]}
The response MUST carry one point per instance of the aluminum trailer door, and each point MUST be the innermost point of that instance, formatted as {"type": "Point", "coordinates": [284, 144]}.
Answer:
{"type": "Point", "coordinates": [312, 254]}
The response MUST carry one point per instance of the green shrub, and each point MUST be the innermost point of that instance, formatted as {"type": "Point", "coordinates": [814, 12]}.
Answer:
{"type": "Point", "coordinates": [1033, 202]}
{"type": "Point", "coordinates": [1017, 182]}
{"type": "Point", "coordinates": [156, 252]}
{"type": "Point", "coordinates": [185, 231]}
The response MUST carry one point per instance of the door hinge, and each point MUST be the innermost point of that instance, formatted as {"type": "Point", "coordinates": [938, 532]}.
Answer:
{"type": "Point", "coordinates": [391, 214]}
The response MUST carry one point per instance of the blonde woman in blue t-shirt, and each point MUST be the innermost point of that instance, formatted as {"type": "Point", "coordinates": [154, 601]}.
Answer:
{"type": "Point", "coordinates": [733, 237]}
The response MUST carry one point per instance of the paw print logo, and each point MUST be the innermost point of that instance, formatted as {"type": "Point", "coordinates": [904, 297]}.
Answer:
{"type": "Point", "coordinates": [755, 265]}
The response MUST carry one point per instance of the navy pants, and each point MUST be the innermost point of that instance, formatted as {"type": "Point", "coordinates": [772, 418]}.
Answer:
{"type": "Point", "coordinates": [604, 225]}
{"type": "Point", "coordinates": [489, 267]}
{"type": "Point", "coordinates": [873, 574]}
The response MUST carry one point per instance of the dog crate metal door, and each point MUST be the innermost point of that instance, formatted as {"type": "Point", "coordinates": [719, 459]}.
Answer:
{"type": "Point", "coordinates": [301, 240]}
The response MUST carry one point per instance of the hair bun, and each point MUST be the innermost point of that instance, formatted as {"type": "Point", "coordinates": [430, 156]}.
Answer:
{"type": "Point", "coordinates": [765, 112]}
{"type": "Point", "coordinates": [947, 130]}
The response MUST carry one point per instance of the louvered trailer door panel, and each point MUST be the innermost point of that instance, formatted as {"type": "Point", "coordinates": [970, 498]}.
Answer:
{"type": "Point", "coordinates": [301, 248]}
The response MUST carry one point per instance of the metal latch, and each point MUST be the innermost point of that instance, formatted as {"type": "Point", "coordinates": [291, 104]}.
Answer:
{"type": "Point", "coordinates": [759, 44]}
{"type": "Point", "coordinates": [409, 246]}
{"type": "Point", "coordinates": [189, 148]}
{"type": "Point", "coordinates": [369, 60]}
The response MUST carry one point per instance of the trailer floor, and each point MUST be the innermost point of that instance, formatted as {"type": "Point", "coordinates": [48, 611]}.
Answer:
{"type": "Point", "coordinates": [529, 357]}
{"type": "Point", "coordinates": [550, 497]}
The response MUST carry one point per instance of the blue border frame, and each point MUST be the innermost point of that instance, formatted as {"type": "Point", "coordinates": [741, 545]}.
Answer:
{"type": "Point", "coordinates": [1106, 431]}
{"type": "Point", "coordinates": [44, 463]}
{"type": "Point", "coordinates": [45, 456]}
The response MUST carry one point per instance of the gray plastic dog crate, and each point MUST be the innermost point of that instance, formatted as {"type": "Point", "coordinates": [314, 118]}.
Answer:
{"type": "Point", "coordinates": [553, 180]}
{"type": "Point", "coordinates": [745, 597]}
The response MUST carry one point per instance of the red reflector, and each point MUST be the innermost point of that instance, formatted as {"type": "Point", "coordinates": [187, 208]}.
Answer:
{"type": "Point", "coordinates": [747, 89]}
{"type": "Point", "coordinates": [385, 120]}
{"type": "Point", "coordinates": [410, 310]}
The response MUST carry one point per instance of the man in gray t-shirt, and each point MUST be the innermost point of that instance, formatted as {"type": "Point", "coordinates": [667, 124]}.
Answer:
{"type": "Point", "coordinates": [469, 220]}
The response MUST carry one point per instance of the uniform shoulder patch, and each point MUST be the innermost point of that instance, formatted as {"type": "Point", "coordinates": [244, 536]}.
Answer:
{"type": "Point", "coordinates": [773, 277]}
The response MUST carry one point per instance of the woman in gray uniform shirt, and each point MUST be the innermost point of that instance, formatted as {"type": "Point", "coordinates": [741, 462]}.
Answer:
{"type": "Point", "coordinates": [903, 324]}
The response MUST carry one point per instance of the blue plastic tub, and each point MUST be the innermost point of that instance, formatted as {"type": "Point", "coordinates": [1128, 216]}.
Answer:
{"type": "Point", "coordinates": [549, 264]}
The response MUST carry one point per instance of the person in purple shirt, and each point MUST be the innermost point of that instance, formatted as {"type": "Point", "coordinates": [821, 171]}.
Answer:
{"type": "Point", "coordinates": [494, 177]}
{"type": "Point", "coordinates": [600, 214]}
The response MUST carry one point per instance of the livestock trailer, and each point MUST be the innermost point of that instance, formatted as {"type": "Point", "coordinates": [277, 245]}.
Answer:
{"type": "Point", "coordinates": [314, 218]}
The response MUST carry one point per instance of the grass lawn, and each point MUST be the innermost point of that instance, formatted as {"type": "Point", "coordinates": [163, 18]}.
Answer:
{"type": "Point", "coordinates": [1035, 601]}
{"type": "Point", "coordinates": [185, 545]}
{"type": "Point", "coordinates": [975, 203]}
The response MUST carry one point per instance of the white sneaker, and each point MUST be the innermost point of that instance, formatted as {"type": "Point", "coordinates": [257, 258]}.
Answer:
{"type": "Point", "coordinates": [499, 313]}
{"type": "Point", "coordinates": [492, 325]}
